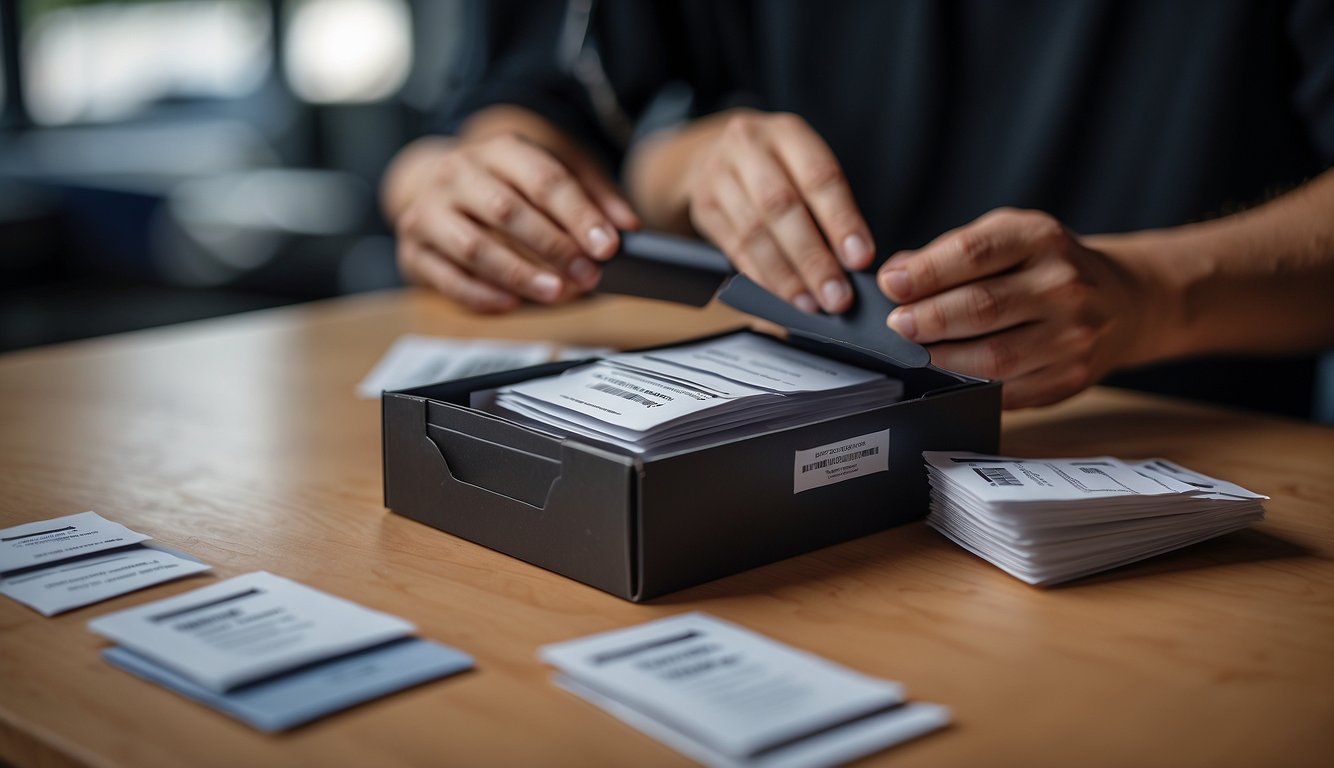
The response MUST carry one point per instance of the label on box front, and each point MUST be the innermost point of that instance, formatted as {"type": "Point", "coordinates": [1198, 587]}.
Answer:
{"type": "Point", "coordinates": [844, 460]}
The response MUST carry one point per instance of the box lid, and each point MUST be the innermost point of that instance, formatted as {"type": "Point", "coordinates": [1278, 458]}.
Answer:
{"type": "Point", "coordinates": [658, 266]}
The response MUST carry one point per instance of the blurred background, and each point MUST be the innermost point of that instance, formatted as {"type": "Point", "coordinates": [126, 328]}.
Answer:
{"type": "Point", "coordinates": [168, 160]}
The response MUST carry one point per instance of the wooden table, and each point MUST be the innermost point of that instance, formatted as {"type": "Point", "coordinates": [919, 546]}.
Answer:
{"type": "Point", "coordinates": [240, 441]}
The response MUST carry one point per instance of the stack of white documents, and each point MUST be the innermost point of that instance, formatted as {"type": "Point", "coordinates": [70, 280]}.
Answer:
{"type": "Point", "coordinates": [697, 393]}
{"type": "Point", "coordinates": [726, 696]}
{"type": "Point", "coordinates": [414, 361]}
{"type": "Point", "coordinates": [1051, 520]}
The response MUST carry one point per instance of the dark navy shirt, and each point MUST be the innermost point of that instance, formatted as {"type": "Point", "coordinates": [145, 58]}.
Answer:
{"type": "Point", "coordinates": [1113, 115]}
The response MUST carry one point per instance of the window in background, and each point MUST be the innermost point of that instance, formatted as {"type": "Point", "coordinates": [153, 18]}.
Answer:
{"type": "Point", "coordinates": [341, 51]}
{"type": "Point", "coordinates": [93, 61]}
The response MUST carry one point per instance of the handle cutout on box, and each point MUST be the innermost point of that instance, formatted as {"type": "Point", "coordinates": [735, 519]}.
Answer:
{"type": "Point", "coordinates": [500, 469]}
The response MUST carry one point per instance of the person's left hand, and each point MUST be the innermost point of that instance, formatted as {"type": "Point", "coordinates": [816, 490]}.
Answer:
{"type": "Point", "coordinates": [1016, 296]}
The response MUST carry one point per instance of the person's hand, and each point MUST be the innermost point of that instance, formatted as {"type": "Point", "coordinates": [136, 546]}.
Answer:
{"type": "Point", "coordinates": [1015, 296]}
{"type": "Point", "coordinates": [499, 219]}
{"type": "Point", "coordinates": [768, 191]}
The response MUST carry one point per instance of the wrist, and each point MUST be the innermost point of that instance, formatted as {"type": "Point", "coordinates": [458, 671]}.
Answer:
{"type": "Point", "coordinates": [1159, 286]}
{"type": "Point", "coordinates": [662, 170]}
{"type": "Point", "coordinates": [657, 169]}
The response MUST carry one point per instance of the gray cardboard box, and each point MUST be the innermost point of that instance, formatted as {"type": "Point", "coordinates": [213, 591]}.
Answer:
{"type": "Point", "coordinates": [640, 528]}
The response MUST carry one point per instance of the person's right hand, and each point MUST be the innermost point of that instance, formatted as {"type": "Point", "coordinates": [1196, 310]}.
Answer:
{"type": "Point", "coordinates": [769, 192]}
{"type": "Point", "coordinates": [499, 219]}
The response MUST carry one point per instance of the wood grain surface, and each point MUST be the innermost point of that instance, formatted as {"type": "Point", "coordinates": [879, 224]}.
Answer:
{"type": "Point", "coordinates": [240, 441]}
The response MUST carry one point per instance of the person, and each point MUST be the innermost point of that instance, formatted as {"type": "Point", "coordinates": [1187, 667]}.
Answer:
{"type": "Point", "coordinates": [1052, 190]}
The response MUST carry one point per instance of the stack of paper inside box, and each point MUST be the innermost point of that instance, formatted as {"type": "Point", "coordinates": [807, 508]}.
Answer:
{"type": "Point", "coordinates": [1051, 520]}
{"type": "Point", "coordinates": [692, 394]}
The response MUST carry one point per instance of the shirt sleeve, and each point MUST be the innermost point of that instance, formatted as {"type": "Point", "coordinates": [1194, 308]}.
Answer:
{"type": "Point", "coordinates": [603, 71]}
{"type": "Point", "coordinates": [521, 53]}
{"type": "Point", "coordinates": [1311, 27]}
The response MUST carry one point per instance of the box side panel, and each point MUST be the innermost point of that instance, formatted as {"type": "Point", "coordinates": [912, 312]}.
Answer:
{"type": "Point", "coordinates": [719, 511]}
{"type": "Point", "coordinates": [566, 511]}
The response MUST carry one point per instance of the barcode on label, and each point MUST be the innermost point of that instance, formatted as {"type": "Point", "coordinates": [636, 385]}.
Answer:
{"type": "Point", "coordinates": [842, 458]}
{"type": "Point", "coordinates": [624, 393]}
{"type": "Point", "coordinates": [841, 461]}
{"type": "Point", "coordinates": [997, 475]}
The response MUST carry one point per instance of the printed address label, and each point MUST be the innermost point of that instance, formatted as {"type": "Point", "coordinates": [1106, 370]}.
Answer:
{"type": "Point", "coordinates": [844, 460]}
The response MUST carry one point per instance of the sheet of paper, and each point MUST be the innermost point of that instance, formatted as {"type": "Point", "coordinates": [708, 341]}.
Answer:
{"type": "Point", "coordinates": [49, 541]}
{"type": "Point", "coordinates": [313, 691]}
{"type": "Point", "coordinates": [759, 362]}
{"type": "Point", "coordinates": [822, 750]}
{"type": "Point", "coordinates": [1005, 479]}
{"type": "Point", "coordinates": [622, 398]}
{"type": "Point", "coordinates": [93, 578]}
{"type": "Point", "coordinates": [733, 691]}
{"type": "Point", "coordinates": [1202, 484]}
{"type": "Point", "coordinates": [246, 628]}
{"type": "Point", "coordinates": [570, 352]}
{"type": "Point", "coordinates": [418, 360]}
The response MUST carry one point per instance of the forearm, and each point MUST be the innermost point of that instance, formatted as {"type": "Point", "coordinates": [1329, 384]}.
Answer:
{"type": "Point", "coordinates": [1261, 281]}
{"type": "Point", "coordinates": [411, 168]}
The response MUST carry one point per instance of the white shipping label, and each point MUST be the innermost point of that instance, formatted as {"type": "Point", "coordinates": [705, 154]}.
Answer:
{"type": "Point", "coordinates": [247, 628]}
{"type": "Point", "coordinates": [844, 460]}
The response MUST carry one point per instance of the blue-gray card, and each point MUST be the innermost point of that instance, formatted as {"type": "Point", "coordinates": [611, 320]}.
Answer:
{"type": "Point", "coordinates": [311, 692]}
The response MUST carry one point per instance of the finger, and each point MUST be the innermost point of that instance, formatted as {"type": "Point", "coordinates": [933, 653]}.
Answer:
{"type": "Point", "coordinates": [992, 244]}
{"type": "Point", "coordinates": [430, 269]}
{"type": "Point", "coordinates": [503, 208]}
{"type": "Point", "coordinates": [820, 178]}
{"type": "Point", "coordinates": [554, 189]}
{"type": "Point", "coordinates": [605, 195]}
{"type": "Point", "coordinates": [749, 245]}
{"type": "Point", "coordinates": [1044, 386]}
{"type": "Point", "coordinates": [569, 289]}
{"type": "Point", "coordinates": [975, 309]}
{"type": "Point", "coordinates": [477, 252]}
{"type": "Point", "coordinates": [789, 222]}
{"type": "Point", "coordinates": [1016, 352]}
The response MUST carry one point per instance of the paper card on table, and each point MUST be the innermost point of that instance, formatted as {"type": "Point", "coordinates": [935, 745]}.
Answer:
{"type": "Point", "coordinates": [313, 691]}
{"type": "Point", "coordinates": [93, 578]}
{"type": "Point", "coordinates": [830, 748]}
{"type": "Point", "coordinates": [247, 628]}
{"type": "Point", "coordinates": [49, 541]}
{"type": "Point", "coordinates": [731, 691]}
{"type": "Point", "coordinates": [1046, 521]}
{"type": "Point", "coordinates": [418, 360]}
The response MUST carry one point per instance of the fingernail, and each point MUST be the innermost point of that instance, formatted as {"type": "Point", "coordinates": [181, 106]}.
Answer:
{"type": "Point", "coordinates": [584, 272]}
{"type": "Point", "coordinates": [806, 303]}
{"type": "Point", "coordinates": [835, 293]}
{"type": "Point", "coordinates": [856, 252]}
{"type": "Point", "coordinates": [901, 322]}
{"type": "Point", "coordinates": [546, 286]}
{"type": "Point", "coordinates": [599, 238]}
{"type": "Point", "coordinates": [898, 283]}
